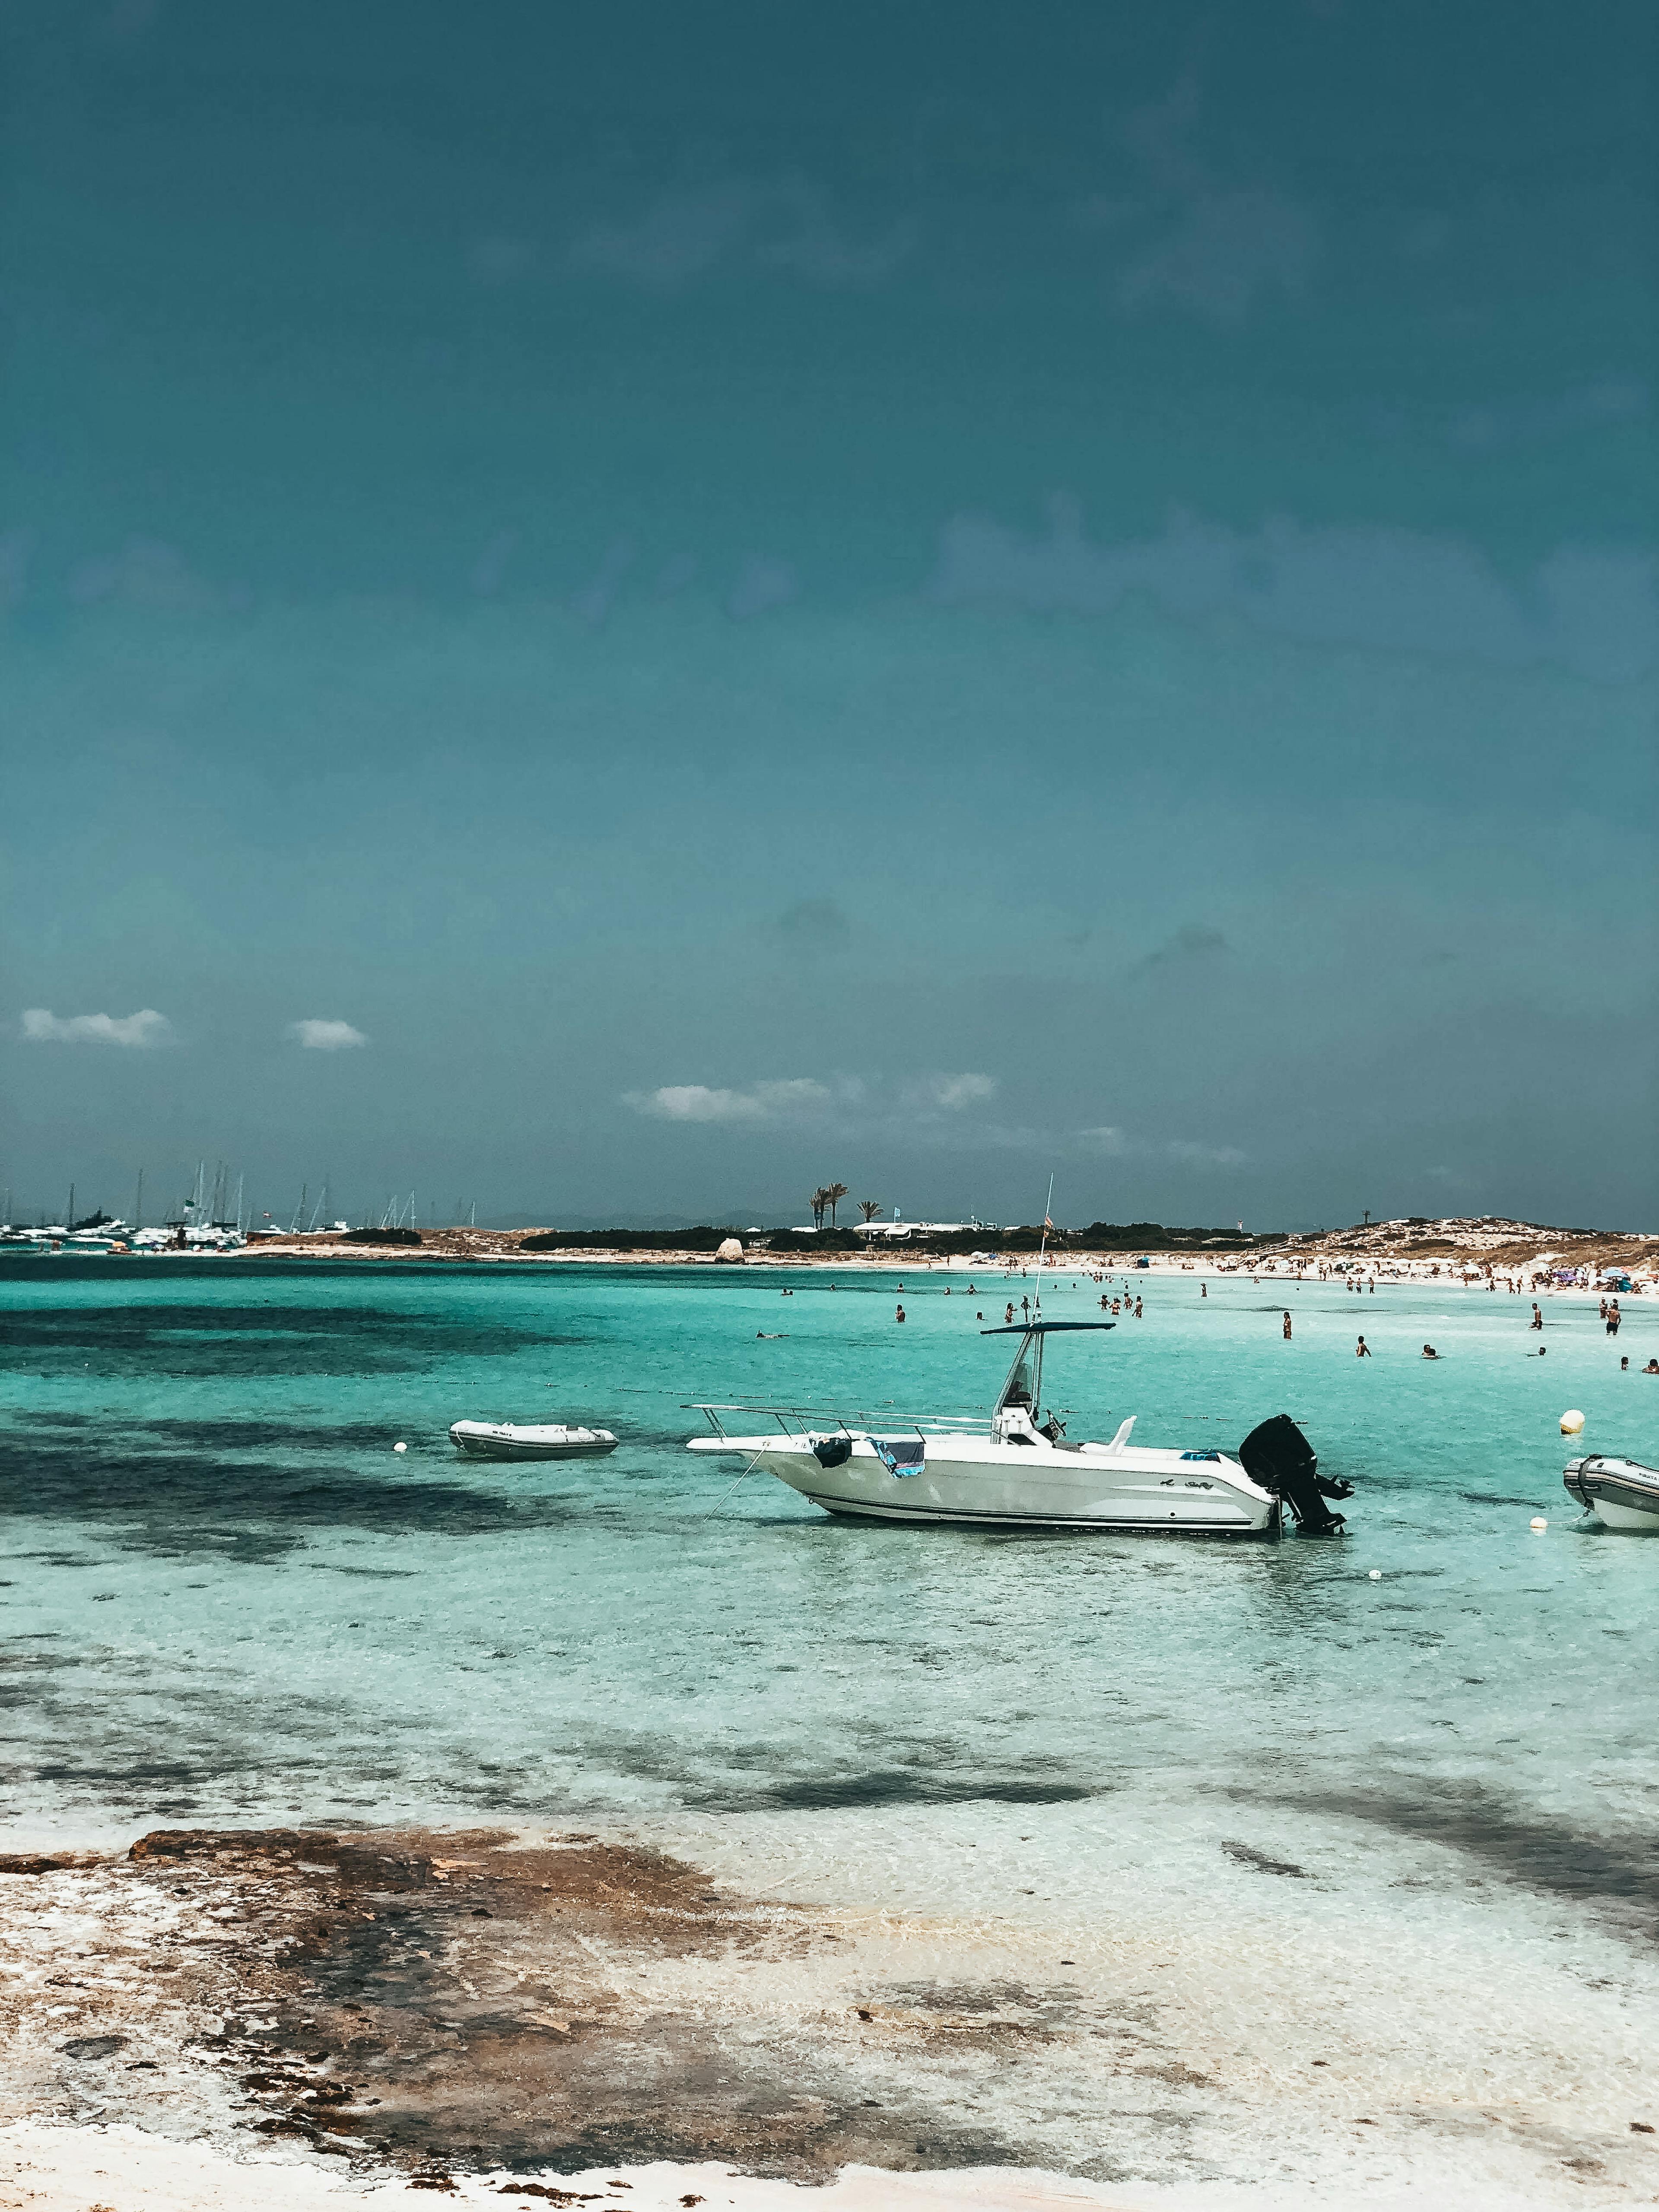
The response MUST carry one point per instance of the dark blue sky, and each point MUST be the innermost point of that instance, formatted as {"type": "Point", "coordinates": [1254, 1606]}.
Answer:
{"type": "Point", "coordinates": [765, 593]}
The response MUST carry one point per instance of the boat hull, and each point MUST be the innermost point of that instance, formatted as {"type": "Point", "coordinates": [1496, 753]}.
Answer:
{"type": "Point", "coordinates": [501, 1440]}
{"type": "Point", "coordinates": [972, 1482]}
{"type": "Point", "coordinates": [1622, 1494]}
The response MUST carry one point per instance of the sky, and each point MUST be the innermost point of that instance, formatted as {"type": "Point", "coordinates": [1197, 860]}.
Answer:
{"type": "Point", "coordinates": [609, 614]}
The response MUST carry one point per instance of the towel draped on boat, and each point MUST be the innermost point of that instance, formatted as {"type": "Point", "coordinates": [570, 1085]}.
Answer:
{"type": "Point", "coordinates": [901, 1455]}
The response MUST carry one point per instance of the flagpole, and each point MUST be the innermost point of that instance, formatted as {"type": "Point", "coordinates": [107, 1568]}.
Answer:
{"type": "Point", "coordinates": [1047, 1223]}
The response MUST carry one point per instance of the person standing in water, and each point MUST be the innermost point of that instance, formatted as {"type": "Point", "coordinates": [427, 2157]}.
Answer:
{"type": "Point", "coordinates": [899, 1315]}
{"type": "Point", "coordinates": [1287, 1328]}
{"type": "Point", "coordinates": [1362, 1350]}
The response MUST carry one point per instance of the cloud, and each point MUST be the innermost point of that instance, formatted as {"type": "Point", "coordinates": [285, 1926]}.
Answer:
{"type": "Point", "coordinates": [1108, 1139]}
{"type": "Point", "coordinates": [1216, 246]}
{"type": "Point", "coordinates": [1596, 610]}
{"type": "Point", "coordinates": [1117, 1144]}
{"type": "Point", "coordinates": [762, 584]}
{"type": "Point", "coordinates": [1497, 425]}
{"type": "Point", "coordinates": [1226, 250]}
{"type": "Point", "coordinates": [138, 1031]}
{"type": "Point", "coordinates": [782, 223]}
{"type": "Point", "coordinates": [813, 925]}
{"type": "Point", "coordinates": [17, 552]}
{"type": "Point", "coordinates": [326, 1036]}
{"type": "Point", "coordinates": [794, 1098]}
{"type": "Point", "coordinates": [679, 237]}
{"type": "Point", "coordinates": [1203, 1156]}
{"type": "Point", "coordinates": [489, 569]}
{"type": "Point", "coordinates": [594, 603]}
{"type": "Point", "coordinates": [1190, 942]}
{"type": "Point", "coordinates": [871, 1106]}
{"type": "Point", "coordinates": [822, 254]}
{"type": "Point", "coordinates": [148, 574]}
{"type": "Point", "coordinates": [949, 1092]}
{"type": "Point", "coordinates": [499, 257]}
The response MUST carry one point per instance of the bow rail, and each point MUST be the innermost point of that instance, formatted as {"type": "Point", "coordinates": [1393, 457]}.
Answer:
{"type": "Point", "coordinates": [816, 1414]}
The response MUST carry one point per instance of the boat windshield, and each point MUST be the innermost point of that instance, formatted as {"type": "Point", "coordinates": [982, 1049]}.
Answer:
{"type": "Point", "coordinates": [1020, 1390]}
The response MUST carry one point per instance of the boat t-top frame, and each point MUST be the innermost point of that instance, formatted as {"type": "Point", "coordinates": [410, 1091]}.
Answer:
{"type": "Point", "coordinates": [1023, 1388]}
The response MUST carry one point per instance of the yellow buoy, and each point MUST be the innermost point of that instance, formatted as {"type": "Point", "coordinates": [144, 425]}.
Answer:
{"type": "Point", "coordinates": [1571, 1422]}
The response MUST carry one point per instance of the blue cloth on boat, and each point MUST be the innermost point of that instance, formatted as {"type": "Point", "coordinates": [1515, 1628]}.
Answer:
{"type": "Point", "coordinates": [901, 1455]}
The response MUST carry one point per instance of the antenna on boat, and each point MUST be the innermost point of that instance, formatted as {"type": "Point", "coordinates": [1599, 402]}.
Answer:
{"type": "Point", "coordinates": [1047, 1224]}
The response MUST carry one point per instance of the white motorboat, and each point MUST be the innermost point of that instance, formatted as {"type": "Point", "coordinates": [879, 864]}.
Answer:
{"type": "Point", "coordinates": [1621, 1493]}
{"type": "Point", "coordinates": [1014, 1471]}
{"type": "Point", "coordinates": [525, 1440]}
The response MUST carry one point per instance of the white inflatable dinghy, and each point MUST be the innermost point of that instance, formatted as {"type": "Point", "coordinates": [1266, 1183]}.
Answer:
{"type": "Point", "coordinates": [518, 1440]}
{"type": "Point", "coordinates": [1622, 1494]}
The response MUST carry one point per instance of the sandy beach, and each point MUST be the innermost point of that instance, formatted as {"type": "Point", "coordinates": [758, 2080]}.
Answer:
{"type": "Point", "coordinates": [225, 2018]}
{"type": "Point", "coordinates": [1453, 1252]}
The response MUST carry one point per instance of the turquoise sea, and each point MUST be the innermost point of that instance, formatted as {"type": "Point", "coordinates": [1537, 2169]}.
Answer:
{"type": "Point", "coordinates": [226, 1598]}
{"type": "Point", "coordinates": [227, 1594]}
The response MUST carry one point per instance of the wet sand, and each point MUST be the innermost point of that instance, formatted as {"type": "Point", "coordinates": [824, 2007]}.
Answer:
{"type": "Point", "coordinates": [575, 2019]}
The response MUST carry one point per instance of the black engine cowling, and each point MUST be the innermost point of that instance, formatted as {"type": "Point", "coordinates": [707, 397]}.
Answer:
{"type": "Point", "coordinates": [1278, 1456]}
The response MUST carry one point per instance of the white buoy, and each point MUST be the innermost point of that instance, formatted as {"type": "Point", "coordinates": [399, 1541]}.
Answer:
{"type": "Point", "coordinates": [400, 1447]}
{"type": "Point", "coordinates": [1375, 1575]}
{"type": "Point", "coordinates": [1538, 1521]}
{"type": "Point", "coordinates": [1572, 1421]}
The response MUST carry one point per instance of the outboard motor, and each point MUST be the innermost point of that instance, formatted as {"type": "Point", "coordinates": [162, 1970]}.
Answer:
{"type": "Point", "coordinates": [1279, 1458]}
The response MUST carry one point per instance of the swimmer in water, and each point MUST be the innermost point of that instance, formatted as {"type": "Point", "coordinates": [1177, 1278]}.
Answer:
{"type": "Point", "coordinates": [1429, 1352]}
{"type": "Point", "coordinates": [1362, 1350]}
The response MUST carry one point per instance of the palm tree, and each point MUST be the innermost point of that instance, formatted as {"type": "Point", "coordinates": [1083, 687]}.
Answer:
{"type": "Point", "coordinates": [869, 1208]}
{"type": "Point", "coordinates": [820, 1199]}
{"type": "Point", "coordinates": [834, 1194]}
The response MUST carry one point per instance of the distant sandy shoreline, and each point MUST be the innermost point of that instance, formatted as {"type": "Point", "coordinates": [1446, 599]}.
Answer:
{"type": "Point", "coordinates": [1444, 1272]}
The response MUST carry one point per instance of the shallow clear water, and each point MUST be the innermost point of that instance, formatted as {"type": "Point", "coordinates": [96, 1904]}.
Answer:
{"type": "Point", "coordinates": [1282, 1808]}
{"type": "Point", "coordinates": [227, 1594]}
